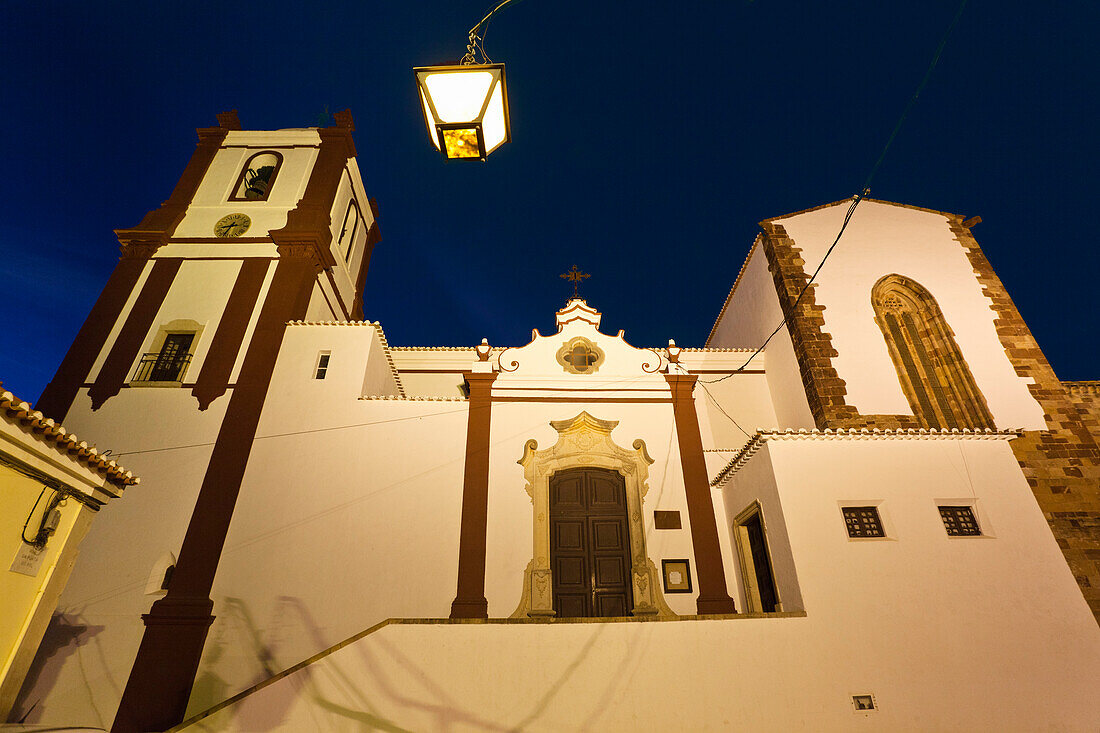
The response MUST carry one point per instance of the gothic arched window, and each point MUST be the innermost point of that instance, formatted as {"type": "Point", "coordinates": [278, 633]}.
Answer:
{"type": "Point", "coordinates": [934, 376]}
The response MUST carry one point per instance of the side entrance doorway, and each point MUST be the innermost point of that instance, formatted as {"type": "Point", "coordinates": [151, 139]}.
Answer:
{"type": "Point", "coordinates": [589, 544]}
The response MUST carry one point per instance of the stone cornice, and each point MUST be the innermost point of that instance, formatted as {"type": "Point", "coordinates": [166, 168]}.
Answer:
{"type": "Point", "coordinates": [389, 358]}
{"type": "Point", "coordinates": [403, 398]}
{"type": "Point", "coordinates": [761, 437]}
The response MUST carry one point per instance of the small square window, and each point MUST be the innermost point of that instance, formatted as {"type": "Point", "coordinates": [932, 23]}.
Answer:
{"type": "Point", "coordinates": [863, 521]}
{"type": "Point", "coordinates": [959, 521]}
{"type": "Point", "coordinates": [322, 365]}
{"type": "Point", "coordinates": [864, 703]}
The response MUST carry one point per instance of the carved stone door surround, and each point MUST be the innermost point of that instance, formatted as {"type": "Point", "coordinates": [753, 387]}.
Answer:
{"type": "Point", "coordinates": [585, 441]}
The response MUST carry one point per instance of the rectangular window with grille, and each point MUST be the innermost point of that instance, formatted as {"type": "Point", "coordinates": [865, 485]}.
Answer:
{"type": "Point", "coordinates": [959, 521]}
{"type": "Point", "coordinates": [863, 521]}
{"type": "Point", "coordinates": [322, 365]}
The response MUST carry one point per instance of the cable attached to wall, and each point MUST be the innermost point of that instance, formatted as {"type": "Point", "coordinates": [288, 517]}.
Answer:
{"type": "Point", "coordinates": [50, 518]}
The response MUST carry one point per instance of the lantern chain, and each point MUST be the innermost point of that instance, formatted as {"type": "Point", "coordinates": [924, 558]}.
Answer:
{"type": "Point", "coordinates": [473, 48]}
{"type": "Point", "coordinates": [476, 43]}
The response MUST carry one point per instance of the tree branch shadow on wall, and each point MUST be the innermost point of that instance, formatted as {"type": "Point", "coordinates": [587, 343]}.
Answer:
{"type": "Point", "coordinates": [268, 710]}
{"type": "Point", "coordinates": [63, 638]}
{"type": "Point", "coordinates": [540, 706]}
{"type": "Point", "coordinates": [239, 629]}
{"type": "Point", "coordinates": [448, 713]}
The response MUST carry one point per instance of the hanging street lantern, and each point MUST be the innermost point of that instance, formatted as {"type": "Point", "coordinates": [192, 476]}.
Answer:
{"type": "Point", "coordinates": [465, 108]}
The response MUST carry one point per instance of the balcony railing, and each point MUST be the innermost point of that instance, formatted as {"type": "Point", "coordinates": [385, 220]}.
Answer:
{"type": "Point", "coordinates": [158, 367]}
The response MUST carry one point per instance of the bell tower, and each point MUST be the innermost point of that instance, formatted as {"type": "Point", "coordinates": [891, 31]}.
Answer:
{"type": "Point", "coordinates": [183, 301]}
{"type": "Point", "coordinates": [263, 228]}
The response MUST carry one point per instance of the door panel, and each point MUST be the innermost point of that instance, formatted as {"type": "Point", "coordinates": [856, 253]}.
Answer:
{"type": "Point", "coordinates": [569, 535]}
{"type": "Point", "coordinates": [607, 534]}
{"type": "Point", "coordinates": [589, 544]}
{"type": "Point", "coordinates": [610, 572]}
{"type": "Point", "coordinates": [572, 572]}
{"type": "Point", "coordinates": [568, 493]}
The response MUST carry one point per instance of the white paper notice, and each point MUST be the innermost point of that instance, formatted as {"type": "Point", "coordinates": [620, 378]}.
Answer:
{"type": "Point", "coordinates": [28, 559]}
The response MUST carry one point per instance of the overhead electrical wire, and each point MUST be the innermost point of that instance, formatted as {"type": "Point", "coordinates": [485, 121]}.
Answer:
{"type": "Point", "coordinates": [864, 191]}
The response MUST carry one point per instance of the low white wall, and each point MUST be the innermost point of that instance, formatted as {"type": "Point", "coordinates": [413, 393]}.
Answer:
{"type": "Point", "coordinates": [971, 633]}
{"type": "Point", "coordinates": [751, 674]}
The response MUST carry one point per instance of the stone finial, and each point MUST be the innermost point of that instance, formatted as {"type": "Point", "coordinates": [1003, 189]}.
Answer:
{"type": "Point", "coordinates": [483, 350]}
{"type": "Point", "coordinates": [229, 120]}
{"type": "Point", "coordinates": [673, 352]}
{"type": "Point", "coordinates": [345, 120]}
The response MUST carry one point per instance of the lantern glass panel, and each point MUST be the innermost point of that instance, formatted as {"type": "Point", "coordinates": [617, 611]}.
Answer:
{"type": "Point", "coordinates": [492, 125]}
{"type": "Point", "coordinates": [459, 96]}
{"type": "Point", "coordinates": [429, 119]}
{"type": "Point", "coordinates": [462, 143]}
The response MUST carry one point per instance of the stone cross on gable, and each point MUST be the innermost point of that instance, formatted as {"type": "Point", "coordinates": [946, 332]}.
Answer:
{"type": "Point", "coordinates": [575, 276]}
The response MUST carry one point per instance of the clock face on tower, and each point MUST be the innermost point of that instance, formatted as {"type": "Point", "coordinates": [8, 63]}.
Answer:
{"type": "Point", "coordinates": [232, 225]}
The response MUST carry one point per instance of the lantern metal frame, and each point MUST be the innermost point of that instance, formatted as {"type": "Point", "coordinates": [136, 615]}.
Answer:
{"type": "Point", "coordinates": [422, 72]}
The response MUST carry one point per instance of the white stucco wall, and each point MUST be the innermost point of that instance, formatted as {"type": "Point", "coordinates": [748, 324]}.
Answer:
{"type": "Point", "coordinates": [882, 239]}
{"type": "Point", "coordinates": [345, 518]}
{"type": "Point", "coordinates": [970, 633]}
{"type": "Point", "coordinates": [751, 314]}
{"type": "Point", "coordinates": [87, 652]}
{"type": "Point", "coordinates": [755, 482]}
{"type": "Point", "coordinates": [347, 264]}
{"type": "Point", "coordinates": [511, 521]}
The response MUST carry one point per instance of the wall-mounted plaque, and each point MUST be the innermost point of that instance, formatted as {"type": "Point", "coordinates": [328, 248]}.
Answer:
{"type": "Point", "coordinates": [677, 575]}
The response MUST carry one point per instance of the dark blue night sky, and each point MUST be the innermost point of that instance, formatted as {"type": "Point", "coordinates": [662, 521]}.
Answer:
{"type": "Point", "coordinates": [648, 140]}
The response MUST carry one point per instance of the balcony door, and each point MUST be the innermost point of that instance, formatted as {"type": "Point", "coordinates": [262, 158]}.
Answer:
{"type": "Point", "coordinates": [170, 360]}
{"type": "Point", "coordinates": [589, 544]}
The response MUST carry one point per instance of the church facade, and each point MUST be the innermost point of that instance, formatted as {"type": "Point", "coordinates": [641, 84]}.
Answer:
{"type": "Point", "coordinates": [887, 517]}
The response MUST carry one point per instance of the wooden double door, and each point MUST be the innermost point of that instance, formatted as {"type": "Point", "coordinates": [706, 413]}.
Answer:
{"type": "Point", "coordinates": [590, 544]}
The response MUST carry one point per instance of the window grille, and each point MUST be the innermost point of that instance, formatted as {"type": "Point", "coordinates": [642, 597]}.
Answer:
{"type": "Point", "coordinates": [959, 521]}
{"type": "Point", "coordinates": [863, 521]}
{"type": "Point", "coordinates": [168, 364]}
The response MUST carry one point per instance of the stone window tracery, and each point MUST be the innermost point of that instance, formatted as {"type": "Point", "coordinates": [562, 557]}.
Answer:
{"type": "Point", "coordinates": [934, 376]}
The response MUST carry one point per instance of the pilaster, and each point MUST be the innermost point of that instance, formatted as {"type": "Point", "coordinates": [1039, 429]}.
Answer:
{"type": "Point", "coordinates": [713, 595]}
{"type": "Point", "coordinates": [470, 600]}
